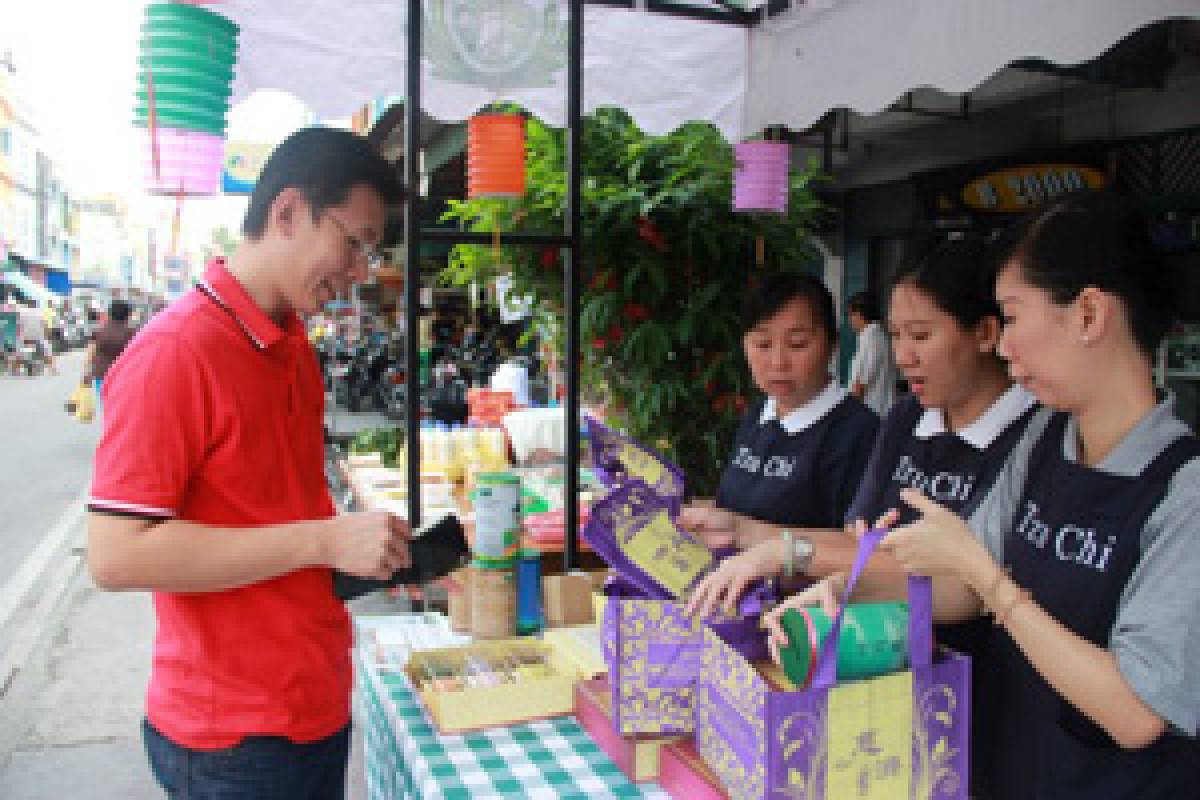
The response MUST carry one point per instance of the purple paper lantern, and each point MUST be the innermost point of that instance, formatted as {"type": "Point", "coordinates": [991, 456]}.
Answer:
{"type": "Point", "coordinates": [760, 177]}
{"type": "Point", "coordinates": [189, 162]}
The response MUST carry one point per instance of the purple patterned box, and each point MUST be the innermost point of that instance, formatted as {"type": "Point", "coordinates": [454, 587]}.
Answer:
{"type": "Point", "coordinates": [902, 736]}
{"type": "Point", "coordinates": [654, 652]}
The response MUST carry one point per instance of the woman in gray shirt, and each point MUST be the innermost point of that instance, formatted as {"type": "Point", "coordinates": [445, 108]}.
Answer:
{"type": "Point", "coordinates": [1086, 551]}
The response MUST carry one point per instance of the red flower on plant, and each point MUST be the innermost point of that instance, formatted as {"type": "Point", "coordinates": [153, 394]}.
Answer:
{"type": "Point", "coordinates": [650, 234]}
{"type": "Point", "coordinates": [549, 258]}
{"type": "Point", "coordinates": [636, 312]}
{"type": "Point", "coordinates": [603, 281]}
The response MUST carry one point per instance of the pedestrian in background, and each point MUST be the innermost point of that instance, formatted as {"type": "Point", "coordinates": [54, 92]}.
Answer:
{"type": "Point", "coordinates": [35, 333]}
{"type": "Point", "coordinates": [108, 343]}
{"type": "Point", "coordinates": [210, 491]}
{"type": "Point", "coordinates": [873, 371]}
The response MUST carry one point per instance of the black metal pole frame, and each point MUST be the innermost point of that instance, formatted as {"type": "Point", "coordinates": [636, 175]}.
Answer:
{"type": "Point", "coordinates": [571, 241]}
{"type": "Point", "coordinates": [571, 272]}
{"type": "Point", "coordinates": [412, 264]}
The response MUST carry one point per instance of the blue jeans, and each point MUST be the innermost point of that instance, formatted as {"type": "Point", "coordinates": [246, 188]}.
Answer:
{"type": "Point", "coordinates": [257, 768]}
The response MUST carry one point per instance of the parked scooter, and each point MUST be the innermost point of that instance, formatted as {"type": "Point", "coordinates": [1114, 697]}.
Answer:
{"type": "Point", "coordinates": [26, 359]}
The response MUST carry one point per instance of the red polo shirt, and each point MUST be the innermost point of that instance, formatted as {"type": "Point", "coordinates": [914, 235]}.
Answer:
{"type": "Point", "coordinates": [213, 414]}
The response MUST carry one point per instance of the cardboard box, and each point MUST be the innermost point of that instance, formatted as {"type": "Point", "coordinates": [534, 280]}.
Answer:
{"type": "Point", "coordinates": [683, 774]}
{"type": "Point", "coordinates": [636, 756]}
{"type": "Point", "coordinates": [567, 599]}
{"type": "Point", "coordinates": [473, 708]}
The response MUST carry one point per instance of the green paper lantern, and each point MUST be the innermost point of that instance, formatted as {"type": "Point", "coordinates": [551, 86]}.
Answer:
{"type": "Point", "coordinates": [185, 75]}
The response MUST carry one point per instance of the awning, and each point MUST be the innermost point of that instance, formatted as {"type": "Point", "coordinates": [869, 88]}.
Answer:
{"type": "Point", "coordinates": [788, 69]}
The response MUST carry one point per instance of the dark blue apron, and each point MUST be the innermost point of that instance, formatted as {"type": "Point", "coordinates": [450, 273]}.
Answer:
{"type": "Point", "coordinates": [1075, 542]}
{"type": "Point", "coordinates": [955, 474]}
{"type": "Point", "coordinates": [806, 479]}
{"type": "Point", "coordinates": [950, 471]}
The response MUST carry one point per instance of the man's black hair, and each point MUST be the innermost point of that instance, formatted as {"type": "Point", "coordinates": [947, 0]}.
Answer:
{"type": "Point", "coordinates": [866, 304]}
{"type": "Point", "coordinates": [119, 310]}
{"type": "Point", "coordinates": [324, 164]}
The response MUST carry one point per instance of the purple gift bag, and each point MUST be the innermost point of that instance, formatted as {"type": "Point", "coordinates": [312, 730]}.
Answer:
{"type": "Point", "coordinates": [654, 650]}
{"type": "Point", "coordinates": [903, 735]}
{"type": "Point", "coordinates": [618, 459]}
{"type": "Point", "coordinates": [652, 647]}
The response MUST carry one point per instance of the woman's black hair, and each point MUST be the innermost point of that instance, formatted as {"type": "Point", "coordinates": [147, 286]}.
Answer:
{"type": "Point", "coordinates": [958, 274]}
{"type": "Point", "coordinates": [1097, 238]}
{"type": "Point", "coordinates": [865, 304]}
{"type": "Point", "coordinates": [773, 293]}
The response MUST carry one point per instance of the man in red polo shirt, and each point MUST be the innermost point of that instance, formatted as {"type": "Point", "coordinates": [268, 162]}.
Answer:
{"type": "Point", "coordinates": [210, 491]}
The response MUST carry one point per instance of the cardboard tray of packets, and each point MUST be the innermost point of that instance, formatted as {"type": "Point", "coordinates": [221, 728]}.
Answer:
{"type": "Point", "coordinates": [493, 683]}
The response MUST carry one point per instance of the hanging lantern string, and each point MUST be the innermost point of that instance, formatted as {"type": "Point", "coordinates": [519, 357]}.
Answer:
{"type": "Point", "coordinates": [176, 221]}
{"type": "Point", "coordinates": [151, 111]}
{"type": "Point", "coordinates": [517, 217]}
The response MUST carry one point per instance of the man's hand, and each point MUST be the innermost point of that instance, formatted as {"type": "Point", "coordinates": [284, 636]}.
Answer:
{"type": "Point", "coordinates": [368, 544]}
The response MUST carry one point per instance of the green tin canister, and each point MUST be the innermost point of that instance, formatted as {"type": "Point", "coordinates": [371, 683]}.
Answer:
{"type": "Point", "coordinates": [497, 515]}
{"type": "Point", "coordinates": [873, 641]}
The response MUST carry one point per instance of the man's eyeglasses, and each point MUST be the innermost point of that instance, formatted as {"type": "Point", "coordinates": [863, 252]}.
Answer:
{"type": "Point", "coordinates": [361, 249]}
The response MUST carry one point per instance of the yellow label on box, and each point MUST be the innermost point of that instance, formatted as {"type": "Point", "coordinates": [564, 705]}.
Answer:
{"type": "Point", "coordinates": [870, 739]}
{"type": "Point", "coordinates": [640, 464]}
{"type": "Point", "coordinates": [670, 558]}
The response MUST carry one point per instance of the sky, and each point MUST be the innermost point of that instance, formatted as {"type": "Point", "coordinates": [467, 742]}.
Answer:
{"type": "Point", "coordinates": [76, 66]}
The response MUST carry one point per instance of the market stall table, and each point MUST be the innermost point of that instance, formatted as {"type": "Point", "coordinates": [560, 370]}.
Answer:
{"type": "Point", "coordinates": [407, 758]}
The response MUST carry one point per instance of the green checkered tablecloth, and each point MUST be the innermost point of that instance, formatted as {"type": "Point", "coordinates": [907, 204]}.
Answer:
{"type": "Point", "coordinates": [406, 758]}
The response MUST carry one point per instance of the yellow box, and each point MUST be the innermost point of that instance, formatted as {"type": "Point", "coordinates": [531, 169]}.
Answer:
{"type": "Point", "coordinates": [582, 645]}
{"type": "Point", "coordinates": [599, 602]}
{"type": "Point", "coordinates": [473, 708]}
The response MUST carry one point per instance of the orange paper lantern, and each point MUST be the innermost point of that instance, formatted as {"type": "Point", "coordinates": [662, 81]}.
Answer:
{"type": "Point", "coordinates": [496, 155]}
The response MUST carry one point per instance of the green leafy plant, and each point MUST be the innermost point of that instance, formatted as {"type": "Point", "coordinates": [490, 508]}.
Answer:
{"type": "Point", "coordinates": [386, 441]}
{"type": "Point", "coordinates": [666, 264]}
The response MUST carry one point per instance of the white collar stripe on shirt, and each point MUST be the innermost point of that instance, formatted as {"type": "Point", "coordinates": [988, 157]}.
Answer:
{"type": "Point", "coordinates": [983, 431]}
{"type": "Point", "coordinates": [807, 415]}
{"type": "Point", "coordinates": [208, 289]}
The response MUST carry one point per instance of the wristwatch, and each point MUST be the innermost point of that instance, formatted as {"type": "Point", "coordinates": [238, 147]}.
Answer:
{"type": "Point", "coordinates": [800, 553]}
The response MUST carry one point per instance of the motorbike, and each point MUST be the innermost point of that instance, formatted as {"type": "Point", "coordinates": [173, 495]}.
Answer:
{"type": "Point", "coordinates": [26, 359]}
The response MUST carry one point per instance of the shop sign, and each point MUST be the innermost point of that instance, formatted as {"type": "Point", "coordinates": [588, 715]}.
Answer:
{"type": "Point", "coordinates": [242, 165]}
{"type": "Point", "coordinates": [1018, 189]}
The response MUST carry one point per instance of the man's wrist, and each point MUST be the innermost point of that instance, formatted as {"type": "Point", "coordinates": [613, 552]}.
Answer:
{"type": "Point", "coordinates": [320, 550]}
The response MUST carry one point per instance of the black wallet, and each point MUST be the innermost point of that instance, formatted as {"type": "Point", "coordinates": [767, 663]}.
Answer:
{"type": "Point", "coordinates": [436, 550]}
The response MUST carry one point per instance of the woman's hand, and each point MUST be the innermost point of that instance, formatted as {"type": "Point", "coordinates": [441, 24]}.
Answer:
{"type": "Point", "coordinates": [827, 594]}
{"type": "Point", "coordinates": [724, 585]}
{"type": "Point", "coordinates": [939, 543]}
{"type": "Point", "coordinates": [715, 527]}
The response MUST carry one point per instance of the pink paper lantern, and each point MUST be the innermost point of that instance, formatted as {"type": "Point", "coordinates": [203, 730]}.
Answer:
{"type": "Point", "coordinates": [760, 178]}
{"type": "Point", "coordinates": [189, 162]}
